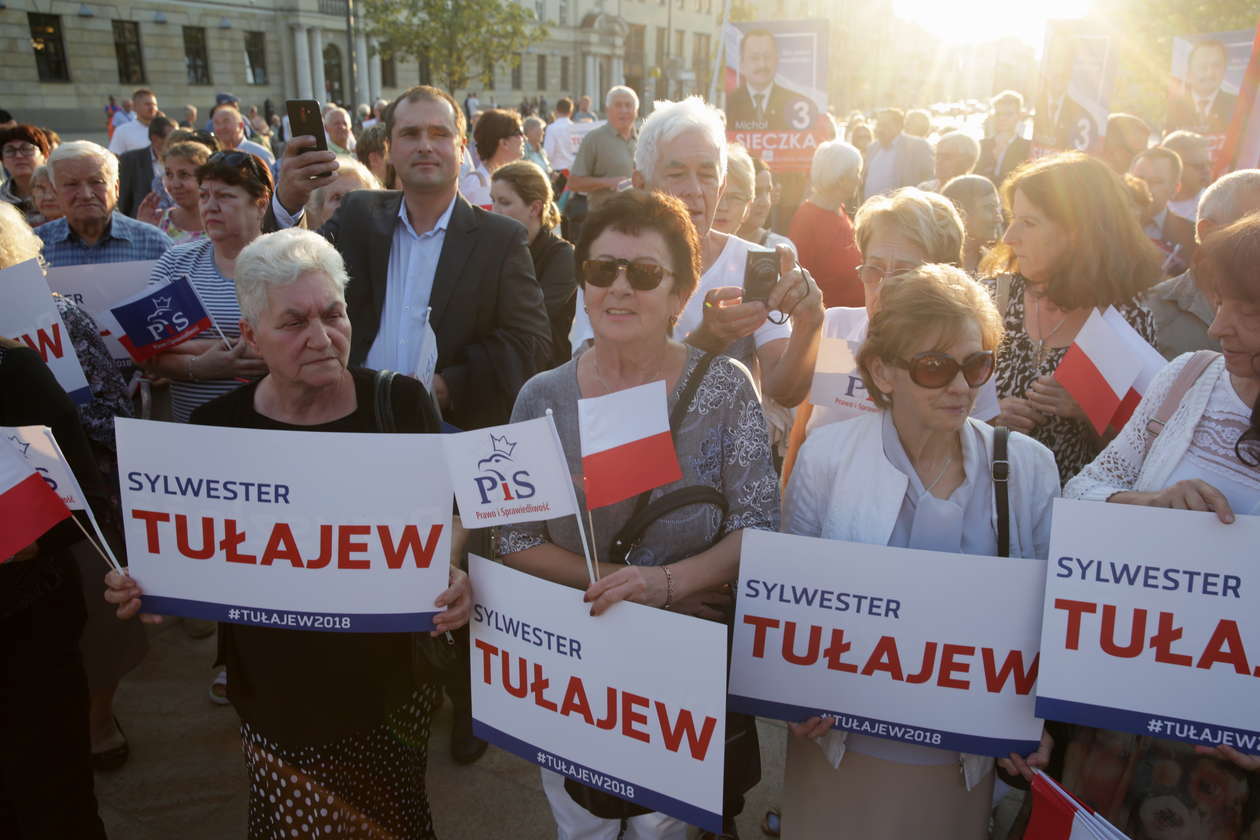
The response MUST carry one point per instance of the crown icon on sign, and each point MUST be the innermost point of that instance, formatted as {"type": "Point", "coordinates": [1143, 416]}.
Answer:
{"type": "Point", "coordinates": [20, 444]}
{"type": "Point", "coordinates": [502, 446]}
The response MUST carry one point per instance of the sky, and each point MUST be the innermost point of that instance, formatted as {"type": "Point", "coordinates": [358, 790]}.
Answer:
{"type": "Point", "coordinates": [978, 21]}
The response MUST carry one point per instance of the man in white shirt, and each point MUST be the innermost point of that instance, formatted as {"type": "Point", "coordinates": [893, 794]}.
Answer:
{"type": "Point", "coordinates": [229, 128]}
{"type": "Point", "coordinates": [135, 134]}
{"type": "Point", "coordinates": [558, 141]}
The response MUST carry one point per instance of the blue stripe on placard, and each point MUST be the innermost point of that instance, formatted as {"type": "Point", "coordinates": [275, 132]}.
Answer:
{"type": "Point", "coordinates": [1149, 723]}
{"type": "Point", "coordinates": [893, 731]}
{"type": "Point", "coordinates": [639, 795]}
{"type": "Point", "coordinates": [81, 396]}
{"type": "Point", "coordinates": [290, 619]}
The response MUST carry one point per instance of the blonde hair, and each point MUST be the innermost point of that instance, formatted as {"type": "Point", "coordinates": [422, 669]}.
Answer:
{"type": "Point", "coordinates": [346, 165]}
{"type": "Point", "coordinates": [739, 169]}
{"type": "Point", "coordinates": [929, 220]}
{"type": "Point", "coordinates": [919, 303]}
{"type": "Point", "coordinates": [189, 150]}
{"type": "Point", "coordinates": [18, 243]}
{"type": "Point", "coordinates": [529, 182]}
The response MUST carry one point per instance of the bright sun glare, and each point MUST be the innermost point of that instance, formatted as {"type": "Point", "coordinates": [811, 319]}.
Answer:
{"type": "Point", "coordinates": [978, 21]}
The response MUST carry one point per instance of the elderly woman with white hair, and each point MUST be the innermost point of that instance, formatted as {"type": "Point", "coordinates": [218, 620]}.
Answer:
{"type": "Point", "coordinates": [534, 152]}
{"type": "Point", "coordinates": [324, 201]}
{"type": "Point", "coordinates": [821, 228]}
{"type": "Point", "coordinates": [956, 154]}
{"type": "Point", "coordinates": [344, 715]}
{"type": "Point", "coordinates": [735, 208]}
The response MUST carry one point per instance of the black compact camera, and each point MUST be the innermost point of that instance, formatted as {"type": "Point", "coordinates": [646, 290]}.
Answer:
{"type": "Point", "coordinates": [761, 273]}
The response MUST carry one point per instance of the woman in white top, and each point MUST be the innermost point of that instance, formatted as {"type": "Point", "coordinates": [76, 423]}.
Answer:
{"type": "Point", "coordinates": [916, 474]}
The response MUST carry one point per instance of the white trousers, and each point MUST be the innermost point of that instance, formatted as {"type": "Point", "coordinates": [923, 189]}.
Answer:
{"type": "Point", "coordinates": [573, 822]}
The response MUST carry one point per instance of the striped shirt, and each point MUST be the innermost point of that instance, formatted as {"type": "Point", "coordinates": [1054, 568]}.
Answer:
{"type": "Point", "coordinates": [218, 294]}
{"type": "Point", "coordinates": [126, 240]}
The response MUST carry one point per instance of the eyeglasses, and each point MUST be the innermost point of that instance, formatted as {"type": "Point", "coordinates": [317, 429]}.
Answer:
{"type": "Point", "coordinates": [643, 277]}
{"type": "Point", "coordinates": [873, 275]}
{"type": "Point", "coordinates": [24, 150]}
{"type": "Point", "coordinates": [936, 370]}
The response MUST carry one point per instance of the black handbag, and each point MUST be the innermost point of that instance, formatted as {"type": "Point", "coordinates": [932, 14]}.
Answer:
{"type": "Point", "coordinates": [429, 655]}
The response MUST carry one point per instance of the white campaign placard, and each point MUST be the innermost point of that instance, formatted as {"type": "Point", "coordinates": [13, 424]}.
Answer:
{"type": "Point", "coordinates": [30, 315]}
{"type": "Point", "coordinates": [304, 530]}
{"type": "Point", "coordinates": [1152, 623]}
{"type": "Point", "coordinates": [98, 286]}
{"type": "Point", "coordinates": [896, 643]}
{"type": "Point", "coordinates": [631, 703]}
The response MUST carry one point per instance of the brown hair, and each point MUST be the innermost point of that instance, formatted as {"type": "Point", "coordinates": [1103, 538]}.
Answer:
{"type": "Point", "coordinates": [1110, 260]}
{"type": "Point", "coordinates": [425, 93]}
{"type": "Point", "coordinates": [254, 178]}
{"type": "Point", "coordinates": [189, 150]}
{"type": "Point", "coordinates": [531, 184]}
{"type": "Point", "coordinates": [492, 126]}
{"type": "Point", "coordinates": [1225, 266]}
{"type": "Point", "coordinates": [634, 211]}
{"type": "Point", "coordinates": [32, 134]}
{"type": "Point", "coordinates": [927, 299]}
{"type": "Point", "coordinates": [928, 219]}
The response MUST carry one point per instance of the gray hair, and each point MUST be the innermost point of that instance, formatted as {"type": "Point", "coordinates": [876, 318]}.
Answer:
{"type": "Point", "coordinates": [1184, 141]}
{"type": "Point", "coordinates": [1228, 199]}
{"type": "Point", "coordinates": [79, 149]}
{"type": "Point", "coordinates": [532, 121]}
{"type": "Point", "coordinates": [346, 165]}
{"type": "Point", "coordinates": [833, 160]}
{"type": "Point", "coordinates": [962, 142]}
{"type": "Point", "coordinates": [739, 168]}
{"type": "Point", "coordinates": [668, 121]}
{"type": "Point", "coordinates": [278, 259]}
{"type": "Point", "coordinates": [336, 109]}
{"type": "Point", "coordinates": [41, 171]}
{"type": "Point", "coordinates": [617, 90]}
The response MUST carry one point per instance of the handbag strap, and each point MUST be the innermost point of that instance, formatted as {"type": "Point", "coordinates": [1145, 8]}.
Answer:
{"type": "Point", "coordinates": [1001, 488]}
{"type": "Point", "coordinates": [1185, 380]}
{"type": "Point", "coordinates": [382, 387]}
{"type": "Point", "coordinates": [628, 537]}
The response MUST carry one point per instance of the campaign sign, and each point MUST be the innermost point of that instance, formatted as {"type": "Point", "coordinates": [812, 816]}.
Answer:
{"type": "Point", "coordinates": [776, 89]}
{"type": "Point", "coordinates": [30, 315]}
{"type": "Point", "coordinates": [98, 286]}
{"type": "Point", "coordinates": [1151, 623]}
{"type": "Point", "coordinates": [895, 643]}
{"type": "Point", "coordinates": [1206, 79]}
{"type": "Point", "coordinates": [1074, 93]}
{"type": "Point", "coordinates": [512, 473]}
{"type": "Point", "coordinates": [304, 530]}
{"type": "Point", "coordinates": [630, 703]}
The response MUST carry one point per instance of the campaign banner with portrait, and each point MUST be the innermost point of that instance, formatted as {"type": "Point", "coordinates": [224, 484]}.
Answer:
{"type": "Point", "coordinates": [631, 703]}
{"type": "Point", "coordinates": [1207, 75]}
{"type": "Point", "coordinates": [1241, 147]}
{"type": "Point", "coordinates": [30, 315]}
{"type": "Point", "coordinates": [894, 643]}
{"type": "Point", "coordinates": [1074, 92]}
{"type": "Point", "coordinates": [776, 89]}
{"type": "Point", "coordinates": [99, 286]}
{"type": "Point", "coordinates": [302, 530]}
{"type": "Point", "coordinates": [1151, 623]}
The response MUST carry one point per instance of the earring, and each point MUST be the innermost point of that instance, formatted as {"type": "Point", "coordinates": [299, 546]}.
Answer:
{"type": "Point", "coordinates": [673, 320]}
{"type": "Point", "coordinates": [586, 309]}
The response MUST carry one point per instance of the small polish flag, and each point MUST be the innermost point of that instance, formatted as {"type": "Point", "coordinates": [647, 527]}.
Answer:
{"type": "Point", "coordinates": [627, 447]}
{"type": "Point", "coordinates": [1152, 364]}
{"type": "Point", "coordinates": [28, 506]}
{"type": "Point", "coordinates": [1058, 815]}
{"type": "Point", "coordinates": [1098, 370]}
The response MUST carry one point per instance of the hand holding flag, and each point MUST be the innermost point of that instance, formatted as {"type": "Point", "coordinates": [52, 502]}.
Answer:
{"type": "Point", "coordinates": [160, 317]}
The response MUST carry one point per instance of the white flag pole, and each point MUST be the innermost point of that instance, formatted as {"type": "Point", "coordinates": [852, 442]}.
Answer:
{"type": "Point", "coordinates": [588, 548]}
{"type": "Point", "coordinates": [213, 321]}
{"type": "Point", "coordinates": [113, 564]}
{"type": "Point", "coordinates": [87, 508]}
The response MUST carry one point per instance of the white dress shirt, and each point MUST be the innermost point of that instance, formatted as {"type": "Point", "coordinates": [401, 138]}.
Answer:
{"type": "Point", "coordinates": [129, 137]}
{"type": "Point", "coordinates": [881, 169]}
{"type": "Point", "coordinates": [558, 144]}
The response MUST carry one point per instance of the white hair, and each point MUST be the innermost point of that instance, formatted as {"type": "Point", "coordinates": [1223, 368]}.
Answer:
{"type": "Point", "coordinates": [668, 121]}
{"type": "Point", "coordinates": [833, 160]}
{"type": "Point", "coordinates": [277, 259]}
{"type": "Point", "coordinates": [532, 121]}
{"type": "Point", "coordinates": [964, 143]}
{"type": "Point", "coordinates": [1183, 140]}
{"type": "Point", "coordinates": [616, 90]}
{"type": "Point", "coordinates": [1228, 199]}
{"type": "Point", "coordinates": [18, 243]}
{"type": "Point", "coordinates": [346, 165]}
{"type": "Point", "coordinates": [79, 149]}
{"type": "Point", "coordinates": [739, 167]}
{"type": "Point", "coordinates": [336, 109]}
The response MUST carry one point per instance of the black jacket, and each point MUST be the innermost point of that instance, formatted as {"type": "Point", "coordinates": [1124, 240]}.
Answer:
{"type": "Point", "coordinates": [1017, 152]}
{"type": "Point", "coordinates": [557, 275]}
{"type": "Point", "coordinates": [135, 179]}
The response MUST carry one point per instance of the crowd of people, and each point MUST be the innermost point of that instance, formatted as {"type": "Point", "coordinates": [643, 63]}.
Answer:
{"type": "Point", "coordinates": [555, 262]}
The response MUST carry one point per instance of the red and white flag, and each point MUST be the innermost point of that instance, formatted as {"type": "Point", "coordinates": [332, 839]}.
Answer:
{"type": "Point", "coordinates": [28, 506]}
{"type": "Point", "coordinates": [1057, 815]}
{"type": "Point", "coordinates": [627, 447]}
{"type": "Point", "coordinates": [1152, 364]}
{"type": "Point", "coordinates": [1098, 370]}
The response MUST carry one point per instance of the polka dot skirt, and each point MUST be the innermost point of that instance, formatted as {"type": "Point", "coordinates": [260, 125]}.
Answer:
{"type": "Point", "coordinates": [367, 785]}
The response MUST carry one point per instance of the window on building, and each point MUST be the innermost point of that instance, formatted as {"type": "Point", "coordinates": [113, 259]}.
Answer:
{"type": "Point", "coordinates": [680, 45]}
{"type": "Point", "coordinates": [50, 50]}
{"type": "Point", "coordinates": [564, 74]}
{"type": "Point", "coordinates": [518, 81]}
{"type": "Point", "coordinates": [540, 9]}
{"type": "Point", "coordinates": [255, 58]}
{"type": "Point", "coordinates": [542, 73]}
{"type": "Point", "coordinates": [196, 59]}
{"type": "Point", "coordinates": [562, 16]}
{"type": "Point", "coordinates": [702, 60]}
{"type": "Point", "coordinates": [425, 68]}
{"type": "Point", "coordinates": [662, 46]}
{"type": "Point", "coordinates": [127, 48]}
{"type": "Point", "coordinates": [389, 73]}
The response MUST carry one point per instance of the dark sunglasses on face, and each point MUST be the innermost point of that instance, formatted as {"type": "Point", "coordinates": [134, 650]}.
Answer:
{"type": "Point", "coordinates": [936, 370]}
{"type": "Point", "coordinates": [643, 277]}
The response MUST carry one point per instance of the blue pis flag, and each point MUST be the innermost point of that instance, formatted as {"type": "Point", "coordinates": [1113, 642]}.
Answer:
{"type": "Point", "coordinates": [160, 317]}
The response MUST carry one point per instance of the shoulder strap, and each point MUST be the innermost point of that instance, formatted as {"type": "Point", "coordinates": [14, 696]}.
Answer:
{"type": "Point", "coordinates": [1003, 294]}
{"type": "Point", "coordinates": [1001, 488]}
{"type": "Point", "coordinates": [1185, 380]}
{"type": "Point", "coordinates": [382, 386]}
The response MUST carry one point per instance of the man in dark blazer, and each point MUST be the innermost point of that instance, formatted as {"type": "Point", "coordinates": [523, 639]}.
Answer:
{"type": "Point", "coordinates": [471, 268]}
{"type": "Point", "coordinates": [1203, 105]}
{"type": "Point", "coordinates": [761, 103]}
{"type": "Point", "coordinates": [139, 168]}
{"type": "Point", "coordinates": [1004, 149]}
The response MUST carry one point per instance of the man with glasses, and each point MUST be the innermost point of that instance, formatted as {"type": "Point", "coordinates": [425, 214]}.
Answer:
{"type": "Point", "coordinates": [1004, 150]}
{"type": "Point", "coordinates": [1195, 152]}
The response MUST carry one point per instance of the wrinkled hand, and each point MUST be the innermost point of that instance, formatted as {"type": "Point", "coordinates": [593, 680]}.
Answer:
{"type": "Point", "coordinates": [220, 363]}
{"type": "Point", "coordinates": [728, 318]}
{"type": "Point", "coordinates": [457, 601]}
{"type": "Point", "coordinates": [796, 293]}
{"type": "Point", "coordinates": [303, 172]}
{"type": "Point", "coordinates": [1249, 763]}
{"type": "Point", "coordinates": [125, 593]}
{"type": "Point", "coordinates": [1025, 766]}
{"type": "Point", "coordinates": [1018, 413]}
{"type": "Point", "coordinates": [147, 212]}
{"type": "Point", "coordinates": [641, 584]}
{"type": "Point", "coordinates": [1050, 398]}
{"type": "Point", "coordinates": [814, 727]}
{"type": "Point", "coordinates": [1191, 494]}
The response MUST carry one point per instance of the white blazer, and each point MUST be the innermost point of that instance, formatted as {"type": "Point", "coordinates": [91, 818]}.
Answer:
{"type": "Point", "coordinates": [843, 487]}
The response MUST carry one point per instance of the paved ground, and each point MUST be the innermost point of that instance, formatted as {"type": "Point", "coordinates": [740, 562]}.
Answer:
{"type": "Point", "coordinates": [186, 777]}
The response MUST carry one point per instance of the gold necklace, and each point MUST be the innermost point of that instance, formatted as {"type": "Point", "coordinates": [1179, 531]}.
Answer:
{"type": "Point", "coordinates": [609, 389]}
{"type": "Point", "coordinates": [1041, 342]}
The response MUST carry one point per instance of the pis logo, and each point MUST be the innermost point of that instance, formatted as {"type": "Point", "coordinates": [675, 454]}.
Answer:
{"type": "Point", "coordinates": [165, 319]}
{"type": "Point", "coordinates": [495, 479]}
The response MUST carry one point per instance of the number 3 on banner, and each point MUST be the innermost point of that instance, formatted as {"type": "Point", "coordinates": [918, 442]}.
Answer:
{"type": "Point", "coordinates": [801, 119]}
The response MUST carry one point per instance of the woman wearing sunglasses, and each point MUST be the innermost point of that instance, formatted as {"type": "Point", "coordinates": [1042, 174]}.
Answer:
{"type": "Point", "coordinates": [929, 349]}
{"type": "Point", "coordinates": [639, 262]}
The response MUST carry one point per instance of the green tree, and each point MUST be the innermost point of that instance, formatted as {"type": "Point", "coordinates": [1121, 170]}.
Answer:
{"type": "Point", "coordinates": [456, 37]}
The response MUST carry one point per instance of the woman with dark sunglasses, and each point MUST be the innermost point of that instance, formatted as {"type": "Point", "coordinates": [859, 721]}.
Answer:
{"type": "Point", "coordinates": [918, 473]}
